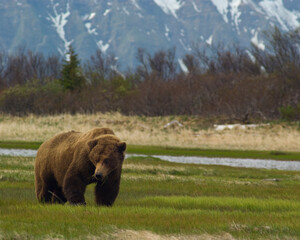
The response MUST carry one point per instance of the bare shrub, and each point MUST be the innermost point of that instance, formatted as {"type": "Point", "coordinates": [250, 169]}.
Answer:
{"type": "Point", "coordinates": [233, 84]}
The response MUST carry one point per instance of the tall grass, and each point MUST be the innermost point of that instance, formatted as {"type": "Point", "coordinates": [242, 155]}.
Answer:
{"type": "Point", "coordinates": [162, 198]}
{"type": "Point", "coordinates": [151, 131]}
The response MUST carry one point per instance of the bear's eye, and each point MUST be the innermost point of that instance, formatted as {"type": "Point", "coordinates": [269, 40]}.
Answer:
{"type": "Point", "coordinates": [105, 161]}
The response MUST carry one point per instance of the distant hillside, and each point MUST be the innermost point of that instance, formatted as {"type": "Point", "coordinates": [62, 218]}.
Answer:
{"type": "Point", "coordinates": [123, 26]}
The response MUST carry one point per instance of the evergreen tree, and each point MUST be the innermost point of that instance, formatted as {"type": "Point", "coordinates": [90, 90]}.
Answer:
{"type": "Point", "coordinates": [72, 77]}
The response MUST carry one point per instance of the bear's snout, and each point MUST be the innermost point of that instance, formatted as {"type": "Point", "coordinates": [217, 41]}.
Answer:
{"type": "Point", "coordinates": [101, 171]}
{"type": "Point", "coordinates": [98, 175]}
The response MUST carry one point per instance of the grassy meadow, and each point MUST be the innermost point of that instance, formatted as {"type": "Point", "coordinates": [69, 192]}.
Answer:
{"type": "Point", "coordinates": [159, 200]}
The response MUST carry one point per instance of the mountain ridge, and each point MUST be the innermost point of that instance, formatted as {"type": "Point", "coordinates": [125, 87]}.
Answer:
{"type": "Point", "coordinates": [123, 26]}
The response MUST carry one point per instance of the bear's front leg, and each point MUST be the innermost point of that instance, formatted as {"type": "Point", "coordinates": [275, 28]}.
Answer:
{"type": "Point", "coordinates": [107, 192]}
{"type": "Point", "coordinates": [73, 189]}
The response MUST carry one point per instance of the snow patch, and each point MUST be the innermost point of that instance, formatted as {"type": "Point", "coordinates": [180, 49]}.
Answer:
{"type": "Point", "coordinates": [167, 30]}
{"type": "Point", "coordinates": [256, 41]}
{"type": "Point", "coordinates": [88, 25]}
{"type": "Point", "coordinates": [90, 30]}
{"type": "Point", "coordinates": [254, 7]}
{"type": "Point", "coordinates": [195, 7]}
{"type": "Point", "coordinates": [126, 11]}
{"type": "Point", "coordinates": [92, 15]}
{"type": "Point", "coordinates": [286, 18]}
{"type": "Point", "coordinates": [225, 7]}
{"type": "Point", "coordinates": [182, 66]}
{"type": "Point", "coordinates": [235, 126]}
{"type": "Point", "coordinates": [135, 4]}
{"type": "Point", "coordinates": [174, 123]}
{"type": "Point", "coordinates": [222, 7]}
{"type": "Point", "coordinates": [106, 12]}
{"type": "Point", "coordinates": [186, 48]}
{"type": "Point", "coordinates": [103, 47]}
{"type": "Point", "coordinates": [252, 58]}
{"type": "Point", "coordinates": [169, 6]}
{"type": "Point", "coordinates": [235, 13]}
{"type": "Point", "coordinates": [209, 40]}
{"type": "Point", "coordinates": [88, 17]}
{"type": "Point", "coordinates": [59, 21]}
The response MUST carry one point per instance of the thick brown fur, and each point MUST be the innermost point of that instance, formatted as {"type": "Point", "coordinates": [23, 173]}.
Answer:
{"type": "Point", "coordinates": [68, 162]}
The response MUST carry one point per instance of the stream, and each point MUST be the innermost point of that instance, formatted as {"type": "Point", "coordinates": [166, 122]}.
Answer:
{"type": "Point", "coordinates": [233, 162]}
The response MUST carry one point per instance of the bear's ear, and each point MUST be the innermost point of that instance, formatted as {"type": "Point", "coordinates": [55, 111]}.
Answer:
{"type": "Point", "coordinates": [121, 146]}
{"type": "Point", "coordinates": [92, 144]}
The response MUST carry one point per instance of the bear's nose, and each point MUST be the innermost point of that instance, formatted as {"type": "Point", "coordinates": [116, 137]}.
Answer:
{"type": "Point", "coordinates": [98, 175]}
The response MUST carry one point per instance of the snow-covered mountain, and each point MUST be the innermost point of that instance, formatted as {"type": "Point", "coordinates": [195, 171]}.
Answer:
{"type": "Point", "coordinates": [123, 26]}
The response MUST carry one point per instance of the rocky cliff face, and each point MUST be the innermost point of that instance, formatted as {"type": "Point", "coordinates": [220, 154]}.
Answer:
{"type": "Point", "coordinates": [123, 26]}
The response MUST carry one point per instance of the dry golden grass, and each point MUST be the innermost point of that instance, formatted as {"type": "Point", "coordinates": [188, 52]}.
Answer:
{"type": "Point", "coordinates": [195, 132]}
{"type": "Point", "coordinates": [147, 235]}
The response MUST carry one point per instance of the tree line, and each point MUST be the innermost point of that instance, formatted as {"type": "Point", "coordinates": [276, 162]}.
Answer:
{"type": "Point", "coordinates": [235, 83]}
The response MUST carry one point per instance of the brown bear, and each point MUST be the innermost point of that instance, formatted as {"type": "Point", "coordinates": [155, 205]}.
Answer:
{"type": "Point", "coordinates": [68, 162]}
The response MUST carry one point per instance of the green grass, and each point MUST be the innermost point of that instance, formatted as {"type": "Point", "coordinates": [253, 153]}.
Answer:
{"type": "Point", "coordinates": [20, 144]}
{"type": "Point", "coordinates": [162, 197]}
{"type": "Point", "coordinates": [174, 151]}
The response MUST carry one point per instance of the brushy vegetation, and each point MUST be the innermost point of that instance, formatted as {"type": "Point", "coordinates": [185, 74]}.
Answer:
{"type": "Point", "coordinates": [169, 199]}
{"type": "Point", "coordinates": [239, 84]}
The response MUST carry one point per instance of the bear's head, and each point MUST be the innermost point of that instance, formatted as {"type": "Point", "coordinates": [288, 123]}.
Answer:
{"type": "Point", "coordinates": [107, 155]}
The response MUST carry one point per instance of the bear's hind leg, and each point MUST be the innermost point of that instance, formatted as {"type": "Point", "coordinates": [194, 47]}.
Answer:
{"type": "Point", "coordinates": [45, 188]}
{"type": "Point", "coordinates": [41, 189]}
{"type": "Point", "coordinates": [58, 196]}
{"type": "Point", "coordinates": [44, 195]}
{"type": "Point", "coordinates": [38, 186]}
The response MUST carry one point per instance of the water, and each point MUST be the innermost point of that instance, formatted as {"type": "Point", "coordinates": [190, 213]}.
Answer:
{"type": "Point", "coordinates": [233, 162]}
{"type": "Point", "coordinates": [236, 162]}
{"type": "Point", "coordinates": [18, 152]}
